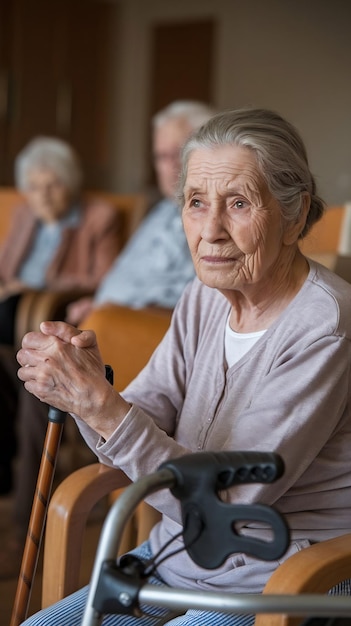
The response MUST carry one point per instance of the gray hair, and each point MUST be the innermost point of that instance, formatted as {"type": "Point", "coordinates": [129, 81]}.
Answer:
{"type": "Point", "coordinates": [194, 112]}
{"type": "Point", "coordinates": [53, 154]}
{"type": "Point", "coordinates": [280, 153]}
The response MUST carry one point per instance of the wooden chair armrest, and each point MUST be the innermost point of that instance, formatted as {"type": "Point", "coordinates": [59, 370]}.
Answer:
{"type": "Point", "coordinates": [68, 512]}
{"type": "Point", "coordinates": [23, 316]}
{"type": "Point", "coordinates": [315, 569]}
{"type": "Point", "coordinates": [37, 306]}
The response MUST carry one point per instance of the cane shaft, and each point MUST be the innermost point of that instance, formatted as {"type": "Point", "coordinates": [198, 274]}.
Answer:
{"type": "Point", "coordinates": [39, 510]}
{"type": "Point", "coordinates": [37, 521]}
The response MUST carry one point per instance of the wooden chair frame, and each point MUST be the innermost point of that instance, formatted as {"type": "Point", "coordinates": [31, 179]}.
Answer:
{"type": "Point", "coordinates": [67, 517]}
{"type": "Point", "coordinates": [315, 569]}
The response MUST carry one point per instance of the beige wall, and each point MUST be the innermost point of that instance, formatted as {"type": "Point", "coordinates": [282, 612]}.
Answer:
{"type": "Point", "coordinates": [290, 55]}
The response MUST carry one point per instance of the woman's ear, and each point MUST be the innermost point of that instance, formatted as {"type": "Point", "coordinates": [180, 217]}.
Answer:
{"type": "Point", "coordinates": [293, 230]}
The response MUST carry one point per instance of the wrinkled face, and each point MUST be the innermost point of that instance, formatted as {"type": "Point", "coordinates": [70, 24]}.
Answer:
{"type": "Point", "coordinates": [48, 198]}
{"type": "Point", "coordinates": [232, 222]}
{"type": "Point", "coordinates": [168, 140]}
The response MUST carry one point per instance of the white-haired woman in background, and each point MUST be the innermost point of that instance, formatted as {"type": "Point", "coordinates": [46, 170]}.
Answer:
{"type": "Point", "coordinates": [55, 241]}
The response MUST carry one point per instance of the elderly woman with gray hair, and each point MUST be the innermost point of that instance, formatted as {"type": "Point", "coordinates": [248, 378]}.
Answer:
{"type": "Point", "coordinates": [56, 241]}
{"type": "Point", "coordinates": [257, 357]}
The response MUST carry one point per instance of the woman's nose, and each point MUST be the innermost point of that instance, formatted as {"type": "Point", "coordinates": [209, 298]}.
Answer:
{"type": "Point", "coordinates": [213, 227]}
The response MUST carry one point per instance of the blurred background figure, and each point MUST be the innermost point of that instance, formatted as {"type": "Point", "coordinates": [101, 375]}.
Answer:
{"type": "Point", "coordinates": [56, 241]}
{"type": "Point", "coordinates": [152, 270]}
{"type": "Point", "coordinates": [155, 265]}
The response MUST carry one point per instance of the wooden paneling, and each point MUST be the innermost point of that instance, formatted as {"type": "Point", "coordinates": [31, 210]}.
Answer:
{"type": "Point", "coordinates": [182, 62]}
{"type": "Point", "coordinates": [182, 65]}
{"type": "Point", "coordinates": [56, 63]}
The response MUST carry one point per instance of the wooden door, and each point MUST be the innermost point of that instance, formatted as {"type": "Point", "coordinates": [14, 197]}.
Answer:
{"type": "Point", "coordinates": [182, 64]}
{"type": "Point", "coordinates": [58, 56]}
{"type": "Point", "coordinates": [86, 84]}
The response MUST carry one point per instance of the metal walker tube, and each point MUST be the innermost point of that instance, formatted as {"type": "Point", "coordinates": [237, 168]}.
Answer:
{"type": "Point", "coordinates": [113, 528]}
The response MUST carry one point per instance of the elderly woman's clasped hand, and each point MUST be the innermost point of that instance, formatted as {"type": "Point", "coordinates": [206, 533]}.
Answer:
{"type": "Point", "coordinates": [62, 366]}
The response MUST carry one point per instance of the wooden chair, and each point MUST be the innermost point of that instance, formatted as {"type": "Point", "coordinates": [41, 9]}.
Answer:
{"type": "Point", "coordinates": [126, 338]}
{"type": "Point", "coordinates": [328, 241]}
{"type": "Point", "coordinates": [36, 306]}
{"type": "Point", "coordinates": [9, 198]}
{"type": "Point", "coordinates": [315, 569]}
{"type": "Point", "coordinates": [132, 208]}
{"type": "Point", "coordinates": [324, 236]}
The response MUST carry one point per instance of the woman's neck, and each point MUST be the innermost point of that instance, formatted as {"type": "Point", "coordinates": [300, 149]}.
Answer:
{"type": "Point", "coordinates": [257, 307]}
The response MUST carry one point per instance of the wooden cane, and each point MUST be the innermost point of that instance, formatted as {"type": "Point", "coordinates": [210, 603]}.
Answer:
{"type": "Point", "coordinates": [38, 515]}
{"type": "Point", "coordinates": [39, 510]}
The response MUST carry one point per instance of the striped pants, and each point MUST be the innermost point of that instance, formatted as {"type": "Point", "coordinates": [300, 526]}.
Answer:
{"type": "Point", "coordinates": [69, 612]}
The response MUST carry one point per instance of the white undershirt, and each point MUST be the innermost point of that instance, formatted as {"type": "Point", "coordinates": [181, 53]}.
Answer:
{"type": "Point", "coordinates": [237, 344]}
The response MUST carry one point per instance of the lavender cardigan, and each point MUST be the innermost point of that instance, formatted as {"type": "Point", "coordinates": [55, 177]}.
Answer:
{"type": "Point", "coordinates": [289, 394]}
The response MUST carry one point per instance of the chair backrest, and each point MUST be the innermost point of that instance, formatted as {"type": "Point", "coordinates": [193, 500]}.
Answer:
{"type": "Point", "coordinates": [324, 237]}
{"type": "Point", "coordinates": [329, 241]}
{"type": "Point", "coordinates": [33, 306]}
{"type": "Point", "coordinates": [9, 198]}
{"type": "Point", "coordinates": [132, 208]}
{"type": "Point", "coordinates": [127, 337]}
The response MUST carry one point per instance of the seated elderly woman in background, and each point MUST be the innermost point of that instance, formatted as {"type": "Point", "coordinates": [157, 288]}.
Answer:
{"type": "Point", "coordinates": [56, 241]}
{"type": "Point", "coordinates": [257, 357]}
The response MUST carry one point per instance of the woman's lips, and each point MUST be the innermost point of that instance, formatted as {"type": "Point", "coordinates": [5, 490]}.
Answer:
{"type": "Point", "coordinates": [217, 260]}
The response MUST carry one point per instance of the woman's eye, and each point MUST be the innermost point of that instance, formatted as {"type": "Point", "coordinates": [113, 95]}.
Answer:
{"type": "Point", "coordinates": [240, 204]}
{"type": "Point", "coordinates": [195, 203]}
